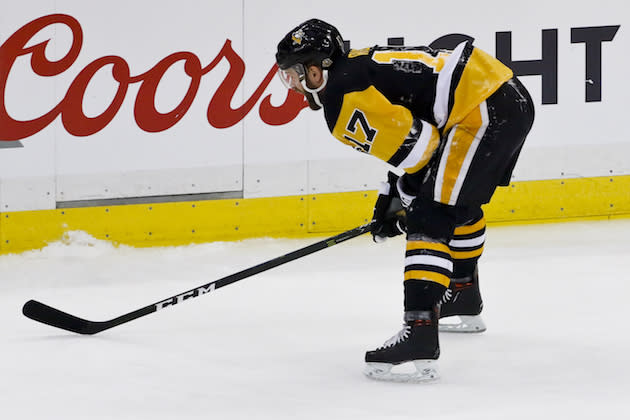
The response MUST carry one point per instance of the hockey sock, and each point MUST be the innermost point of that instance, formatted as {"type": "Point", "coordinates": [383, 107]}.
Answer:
{"type": "Point", "coordinates": [467, 246]}
{"type": "Point", "coordinates": [428, 270]}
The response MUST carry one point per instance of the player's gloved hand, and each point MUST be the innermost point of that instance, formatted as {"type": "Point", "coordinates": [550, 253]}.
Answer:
{"type": "Point", "coordinates": [389, 215]}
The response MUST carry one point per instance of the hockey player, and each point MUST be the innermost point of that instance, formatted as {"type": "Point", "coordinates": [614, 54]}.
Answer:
{"type": "Point", "coordinates": [453, 123]}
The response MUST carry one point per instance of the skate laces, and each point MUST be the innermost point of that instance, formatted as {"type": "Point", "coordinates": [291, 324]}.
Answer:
{"type": "Point", "coordinates": [402, 335]}
{"type": "Point", "coordinates": [446, 297]}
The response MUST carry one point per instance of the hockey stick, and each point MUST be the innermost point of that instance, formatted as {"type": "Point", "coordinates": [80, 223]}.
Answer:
{"type": "Point", "coordinates": [56, 318]}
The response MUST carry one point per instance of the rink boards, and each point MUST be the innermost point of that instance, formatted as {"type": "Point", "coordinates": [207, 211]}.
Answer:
{"type": "Point", "coordinates": [169, 127]}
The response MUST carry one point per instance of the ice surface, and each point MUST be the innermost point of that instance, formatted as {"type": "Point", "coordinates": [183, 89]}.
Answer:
{"type": "Point", "coordinates": [289, 343]}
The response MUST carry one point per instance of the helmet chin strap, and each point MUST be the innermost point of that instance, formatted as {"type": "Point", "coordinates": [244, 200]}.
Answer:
{"type": "Point", "coordinates": [314, 92]}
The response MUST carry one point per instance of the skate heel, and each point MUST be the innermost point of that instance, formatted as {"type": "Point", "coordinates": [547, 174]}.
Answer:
{"type": "Point", "coordinates": [462, 324]}
{"type": "Point", "coordinates": [427, 370]}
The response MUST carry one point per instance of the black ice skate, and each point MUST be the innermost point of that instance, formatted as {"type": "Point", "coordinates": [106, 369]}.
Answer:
{"type": "Point", "coordinates": [461, 305]}
{"type": "Point", "coordinates": [417, 342]}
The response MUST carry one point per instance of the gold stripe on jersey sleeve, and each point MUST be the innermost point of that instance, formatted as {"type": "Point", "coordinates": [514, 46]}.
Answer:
{"type": "Point", "coordinates": [434, 246]}
{"type": "Point", "coordinates": [468, 229]}
{"type": "Point", "coordinates": [428, 275]}
{"type": "Point", "coordinates": [387, 123]}
{"type": "Point", "coordinates": [481, 77]}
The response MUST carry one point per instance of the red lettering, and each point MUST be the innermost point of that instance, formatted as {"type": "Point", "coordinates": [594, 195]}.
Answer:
{"type": "Point", "coordinates": [279, 115]}
{"type": "Point", "coordinates": [220, 113]}
{"type": "Point", "coordinates": [72, 116]}
{"type": "Point", "coordinates": [13, 48]}
{"type": "Point", "coordinates": [147, 117]}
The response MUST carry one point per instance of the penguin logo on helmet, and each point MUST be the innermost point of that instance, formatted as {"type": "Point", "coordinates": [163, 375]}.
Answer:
{"type": "Point", "coordinates": [297, 36]}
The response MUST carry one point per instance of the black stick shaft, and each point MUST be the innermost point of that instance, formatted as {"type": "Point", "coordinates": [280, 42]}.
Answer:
{"type": "Point", "coordinates": [56, 318]}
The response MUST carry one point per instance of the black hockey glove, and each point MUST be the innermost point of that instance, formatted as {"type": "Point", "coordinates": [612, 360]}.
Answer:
{"type": "Point", "coordinates": [389, 215]}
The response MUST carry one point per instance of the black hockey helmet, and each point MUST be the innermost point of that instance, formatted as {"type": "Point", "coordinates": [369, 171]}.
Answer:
{"type": "Point", "coordinates": [312, 42]}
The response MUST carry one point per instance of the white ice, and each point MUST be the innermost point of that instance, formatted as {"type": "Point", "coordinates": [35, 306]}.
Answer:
{"type": "Point", "coordinates": [289, 343]}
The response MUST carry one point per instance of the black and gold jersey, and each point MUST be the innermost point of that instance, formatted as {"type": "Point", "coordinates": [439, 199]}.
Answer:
{"type": "Point", "coordinates": [395, 102]}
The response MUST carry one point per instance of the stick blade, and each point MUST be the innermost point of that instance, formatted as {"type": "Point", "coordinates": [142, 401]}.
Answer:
{"type": "Point", "coordinates": [45, 314]}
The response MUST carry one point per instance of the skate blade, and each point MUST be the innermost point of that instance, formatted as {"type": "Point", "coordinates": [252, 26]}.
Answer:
{"type": "Point", "coordinates": [426, 371]}
{"type": "Point", "coordinates": [462, 324]}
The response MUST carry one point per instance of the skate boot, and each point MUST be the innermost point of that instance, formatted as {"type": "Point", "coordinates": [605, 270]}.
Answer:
{"type": "Point", "coordinates": [461, 306]}
{"type": "Point", "coordinates": [416, 344]}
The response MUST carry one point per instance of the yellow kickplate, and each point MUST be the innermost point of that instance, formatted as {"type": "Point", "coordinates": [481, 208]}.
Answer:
{"type": "Point", "coordinates": [296, 216]}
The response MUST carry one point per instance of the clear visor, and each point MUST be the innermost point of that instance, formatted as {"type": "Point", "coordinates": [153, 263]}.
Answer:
{"type": "Point", "coordinates": [293, 76]}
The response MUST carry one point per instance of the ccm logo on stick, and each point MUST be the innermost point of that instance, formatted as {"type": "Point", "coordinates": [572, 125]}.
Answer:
{"type": "Point", "coordinates": [179, 298]}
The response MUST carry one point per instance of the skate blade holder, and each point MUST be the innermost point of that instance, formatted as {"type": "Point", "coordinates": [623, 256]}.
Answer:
{"type": "Point", "coordinates": [462, 324]}
{"type": "Point", "coordinates": [416, 371]}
